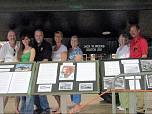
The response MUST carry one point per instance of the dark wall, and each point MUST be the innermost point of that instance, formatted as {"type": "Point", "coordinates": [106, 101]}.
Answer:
{"type": "Point", "coordinates": [87, 24]}
{"type": "Point", "coordinates": [83, 23]}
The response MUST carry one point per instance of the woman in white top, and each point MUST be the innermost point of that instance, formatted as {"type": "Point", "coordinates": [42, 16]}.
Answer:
{"type": "Point", "coordinates": [123, 51]}
{"type": "Point", "coordinates": [59, 53]}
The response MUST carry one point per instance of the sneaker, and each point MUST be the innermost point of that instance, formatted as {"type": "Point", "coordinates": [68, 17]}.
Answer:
{"type": "Point", "coordinates": [37, 111]}
{"type": "Point", "coordinates": [120, 108]}
{"type": "Point", "coordinates": [71, 105]}
{"type": "Point", "coordinates": [46, 111]}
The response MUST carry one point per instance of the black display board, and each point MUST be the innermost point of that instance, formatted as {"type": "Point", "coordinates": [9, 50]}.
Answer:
{"type": "Point", "coordinates": [136, 74]}
{"type": "Point", "coordinates": [67, 82]}
{"type": "Point", "coordinates": [16, 78]}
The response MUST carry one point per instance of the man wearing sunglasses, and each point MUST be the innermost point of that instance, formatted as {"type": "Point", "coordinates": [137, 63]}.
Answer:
{"type": "Point", "coordinates": [8, 51]}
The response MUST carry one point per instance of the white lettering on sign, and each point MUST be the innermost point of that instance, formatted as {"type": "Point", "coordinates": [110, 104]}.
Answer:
{"type": "Point", "coordinates": [94, 47]}
{"type": "Point", "coordinates": [102, 46]}
{"type": "Point", "coordinates": [91, 49]}
{"type": "Point", "coordinates": [86, 46]}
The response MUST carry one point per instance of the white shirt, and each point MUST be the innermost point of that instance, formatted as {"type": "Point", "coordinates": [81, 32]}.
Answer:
{"type": "Point", "coordinates": [7, 53]}
{"type": "Point", "coordinates": [123, 52]}
{"type": "Point", "coordinates": [56, 55]}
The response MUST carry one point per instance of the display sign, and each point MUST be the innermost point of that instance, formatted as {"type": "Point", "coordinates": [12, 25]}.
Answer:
{"type": "Point", "coordinates": [45, 71]}
{"type": "Point", "coordinates": [74, 77]}
{"type": "Point", "coordinates": [94, 48]}
{"type": "Point", "coordinates": [15, 78]}
{"type": "Point", "coordinates": [146, 65]}
{"type": "Point", "coordinates": [66, 77]}
{"type": "Point", "coordinates": [93, 45]}
{"type": "Point", "coordinates": [131, 67]}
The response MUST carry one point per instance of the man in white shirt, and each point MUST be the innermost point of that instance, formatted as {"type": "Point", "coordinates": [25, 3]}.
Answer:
{"type": "Point", "coordinates": [8, 52]}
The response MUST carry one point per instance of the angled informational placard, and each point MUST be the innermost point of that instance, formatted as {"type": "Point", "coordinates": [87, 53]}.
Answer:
{"type": "Point", "coordinates": [66, 77]}
{"type": "Point", "coordinates": [132, 74]}
{"type": "Point", "coordinates": [16, 78]}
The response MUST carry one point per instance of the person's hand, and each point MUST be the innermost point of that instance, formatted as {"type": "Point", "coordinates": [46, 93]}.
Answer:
{"type": "Point", "coordinates": [78, 58]}
{"type": "Point", "coordinates": [64, 56]}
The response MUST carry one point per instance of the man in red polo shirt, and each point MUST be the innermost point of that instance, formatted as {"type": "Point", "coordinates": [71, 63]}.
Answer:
{"type": "Point", "coordinates": [138, 45]}
{"type": "Point", "coordinates": [138, 49]}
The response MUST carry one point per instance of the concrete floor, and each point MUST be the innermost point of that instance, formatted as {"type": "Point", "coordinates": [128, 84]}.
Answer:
{"type": "Point", "coordinates": [96, 107]}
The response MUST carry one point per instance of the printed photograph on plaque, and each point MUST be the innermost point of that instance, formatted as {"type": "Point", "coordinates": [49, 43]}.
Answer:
{"type": "Point", "coordinates": [85, 86]}
{"type": "Point", "coordinates": [6, 68]}
{"type": "Point", "coordinates": [146, 65]}
{"type": "Point", "coordinates": [86, 69]}
{"type": "Point", "coordinates": [65, 85]}
{"type": "Point", "coordinates": [131, 68]}
{"type": "Point", "coordinates": [5, 80]}
{"type": "Point", "coordinates": [119, 82]}
{"type": "Point", "coordinates": [112, 68]}
{"type": "Point", "coordinates": [23, 67]}
{"type": "Point", "coordinates": [149, 81]}
{"type": "Point", "coordinates": [67, 71]}
{"type": "Point", "coordinates": [45, 88]}
{"type": "Point", "coordinates": [47, 73]}
{"type": "Point", "coordinates": [20, 82]}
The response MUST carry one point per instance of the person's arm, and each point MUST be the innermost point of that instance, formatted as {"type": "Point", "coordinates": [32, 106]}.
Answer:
{"type": "Point", "coordinates": [32, 56]}
{"type": "Point", "coordinates": [79, 56]}
{"type": "Point", "coordinates": [144, 48]}
{"type": "Point", "coordinates": [3, 53]}
{"type": "Point", "coordinates": [64, 53]}
{"type": "Point", "coordinates": [64, 56]}
{"type": "Point", "coordinates": [144, 56]}
{"type": "Point", "coordinates": [44, 60]}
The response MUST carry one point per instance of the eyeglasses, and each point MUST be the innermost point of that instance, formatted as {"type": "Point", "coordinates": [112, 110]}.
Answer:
{"type": "Point", "coordinates": [14, 52]}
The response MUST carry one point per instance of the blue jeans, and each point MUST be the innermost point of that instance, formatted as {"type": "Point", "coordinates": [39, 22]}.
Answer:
{"type": "Point", "coordinates": [41, 102]}
{"type": "Point", "coordinates": [76, 98]}
{"type": "Point", "coordinates": [27, 105]}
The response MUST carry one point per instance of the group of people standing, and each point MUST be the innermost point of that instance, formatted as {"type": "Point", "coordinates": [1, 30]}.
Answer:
{"type": "Point", "coordinates": [39, 50]}
{"type": "Point", "coordinates": [136, 48]}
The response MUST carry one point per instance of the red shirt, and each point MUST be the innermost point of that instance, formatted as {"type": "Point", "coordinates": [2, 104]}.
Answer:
{"type": "Point", "coordinates": [138, 47]}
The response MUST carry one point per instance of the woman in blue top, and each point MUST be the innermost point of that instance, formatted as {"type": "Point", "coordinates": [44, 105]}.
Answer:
{"type": "Point", "coordinates": [75, 54]}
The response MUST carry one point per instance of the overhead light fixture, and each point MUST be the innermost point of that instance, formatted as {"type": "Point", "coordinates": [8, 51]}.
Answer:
{"type": "Point", "coordinates": [106, 33]}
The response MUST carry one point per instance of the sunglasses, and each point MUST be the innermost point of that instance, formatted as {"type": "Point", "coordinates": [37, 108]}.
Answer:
{"type": "Point", "coordinates": [14, 52]}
